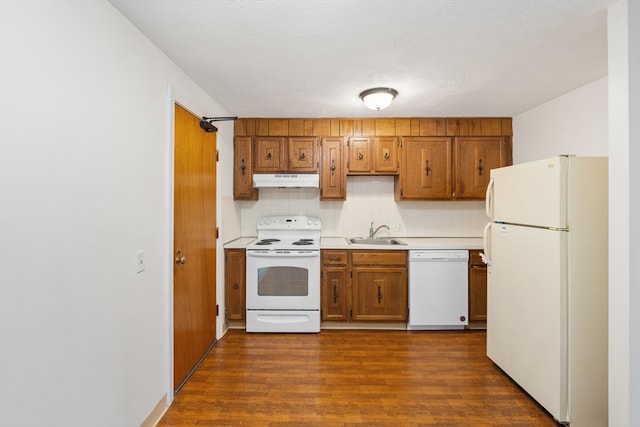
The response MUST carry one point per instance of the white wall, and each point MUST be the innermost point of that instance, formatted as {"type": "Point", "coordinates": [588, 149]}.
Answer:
{"type": "Point", "coordinates": [574, 123]}
{"type": "Point", "coordinates": [624, 214]}
{"type": "Point", "coordinates": [369, 199]}
{"type": "Point", "coordinates": [85, 183]}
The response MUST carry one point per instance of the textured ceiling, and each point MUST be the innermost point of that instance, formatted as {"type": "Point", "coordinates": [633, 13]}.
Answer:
{"type": "Point", "coordinates": [311, 58]}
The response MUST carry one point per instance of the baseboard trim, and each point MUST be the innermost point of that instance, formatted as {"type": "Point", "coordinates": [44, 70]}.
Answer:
{"type": "Point", "coordinates": [157, 413]}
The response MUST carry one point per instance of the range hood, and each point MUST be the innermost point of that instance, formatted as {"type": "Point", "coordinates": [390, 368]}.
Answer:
{"type": "Point", "coordinates": [285, 180]}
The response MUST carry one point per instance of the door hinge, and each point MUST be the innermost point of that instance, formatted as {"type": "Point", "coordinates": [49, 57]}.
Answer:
{"type": "Point", "coordinates": [217, 310]}
{"type": "Point", "coordinates": [217, 232]}
{"type": "Point", "coordinates": [217, 155]}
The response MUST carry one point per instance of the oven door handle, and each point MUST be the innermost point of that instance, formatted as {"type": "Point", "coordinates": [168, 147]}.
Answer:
{"type": "Point", "coordinates": [282, 254]}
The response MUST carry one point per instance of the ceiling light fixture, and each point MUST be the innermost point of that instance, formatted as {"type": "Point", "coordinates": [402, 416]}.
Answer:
{"type": "Point", "coordinates": [378, 98]}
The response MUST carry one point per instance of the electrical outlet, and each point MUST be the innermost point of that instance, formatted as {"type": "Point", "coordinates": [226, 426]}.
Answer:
{"type": "Point", "coordinates": [140, 261]}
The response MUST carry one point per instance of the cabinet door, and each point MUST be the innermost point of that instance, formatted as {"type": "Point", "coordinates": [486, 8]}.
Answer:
{"type": "Point", "coordinates": [333, 173]}
{"type": "Point", "coordinates": [335, 296]}
{"type": "Point", "coordinates": [385, 154]}
{"type": "Point", "coordinates": [269, 154]}
{"type": "Point", "coordinates": [475, 157]}
{"type": "Point", "coordinates": [477, 288]}
{"type": "Point", "coordinates": [426, 171]}
{"type": "Point", "coordinates": [303, 154]}
{"type": "Point", "coordinates": [243, 169]}
{"type": "Point", "coordinates": [379, 293]}
{"type": "Point", "coordinates": [360, 154]}
{"type": "Point", "coordinates": [234, 283]}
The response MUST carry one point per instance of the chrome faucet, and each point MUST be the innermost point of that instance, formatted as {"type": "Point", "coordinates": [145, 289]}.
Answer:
{"type": "Point", "coordinates": [372, 233]}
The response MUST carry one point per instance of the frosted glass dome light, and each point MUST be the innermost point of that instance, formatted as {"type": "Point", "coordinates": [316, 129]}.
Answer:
{"type": "Point", "coordinates": [378, 98]}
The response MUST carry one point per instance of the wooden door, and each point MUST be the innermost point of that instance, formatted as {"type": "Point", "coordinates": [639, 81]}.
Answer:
{"type": "Point", "coordinates": [385, 154]}
{"type": "Point", "coordinates": [234, 282]}
{"type": "Point", "coordinates": [426, 168]}
{"type": "Point", "coordinates": [243, 169]}
{"type": "Point", "coordinates": [269, 154]}
{"type": "Point", "coordinates": [360, 153]}
{"type": "Point", "coordinates": [194, 274]}
{"type": "Point", "coordinates": [475, 157]}
{"type": "Point", "coordinates": [333, 174]}
{"type": "Point", "coordinates": [303, 154]}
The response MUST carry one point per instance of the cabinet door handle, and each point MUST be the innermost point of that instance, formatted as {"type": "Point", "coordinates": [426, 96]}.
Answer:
{"type": "Point", "coordinates": [386, 155]}
{"type": "Point", "coordinates": [334, 258]}
{"type": "Point", "coordinates": [360, 156]}
{"type": "Point", "coordinates": [335, 294]}
{"type": "Point", "coordinates": [236, 286]}
{"type": "Point", "coordinates": [333, 167]}
{"type": "Point", "coordinates": [243, 167]}
{"type": "Point", "coordinates": [427, 168]}
{"type": "Point", "coordinates": [180, 259]}
{"type": "Point", "coordinates": [301, 156]}
{"type": "Point", "coordinates": [379, 294]}
{"type": "Point", "coordinates": [480, 167]}
{"type": "Point", "coordinates": [269, 155]}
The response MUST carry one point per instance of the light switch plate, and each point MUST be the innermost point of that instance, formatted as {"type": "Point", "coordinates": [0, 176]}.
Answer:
{"type": "Point", "coordinates": [140, 261]}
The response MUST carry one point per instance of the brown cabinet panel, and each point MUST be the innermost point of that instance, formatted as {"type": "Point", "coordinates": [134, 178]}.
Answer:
{"type": "Point", "coordinates": [335, 294]}
{"type": "Point", "coordinates": [433, 127]}
{"type": "Point", "coordinates": [491, 127]}
{"type": "Point", "coordinates": [369, 257]}
{"type": "Point", "coordinates": [425, 168]}
{"type": "Point", "coordinates": [379, 294]}
{"type": "Point", "coordinates": [234, 282]}
{"type": "Point", "coordinates": [333, 171]}
{"type": "Point", "coordinates": [243, 169]}
{"type": "Point", "coordinates": [385, 127]}
{"type": "Point", "coordinates": [360, 155]}
{"type": "Point", "coordinates": [303, 154]}
{"type": "Point", "coordinates": [477, 288]}
{"type": "Point", "coordinates": [385, 154]}
{"type": "Point", "coordinates": [269, 154]}
{"type": "Point", "coordinates": [475, 157]}
{"type": "Point", "coordinates": [322, 127]}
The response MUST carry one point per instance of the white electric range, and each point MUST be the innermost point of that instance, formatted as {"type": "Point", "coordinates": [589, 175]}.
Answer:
{"type": "Point", "coordinates": [283, 275]}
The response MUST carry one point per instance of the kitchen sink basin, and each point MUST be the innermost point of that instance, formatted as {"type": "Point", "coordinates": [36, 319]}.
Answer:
{"type": "Point", "coordinates": [375, 241]}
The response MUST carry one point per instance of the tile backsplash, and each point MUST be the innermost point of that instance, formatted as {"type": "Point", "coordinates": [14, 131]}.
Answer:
{"type": "Point", "coordinates": [369, 198]}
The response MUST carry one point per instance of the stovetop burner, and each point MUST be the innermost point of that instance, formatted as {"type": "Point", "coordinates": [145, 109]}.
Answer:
{"type": "Point", "coordinates": [303, 242]}
{"type": "Point", "coordinates": [267, 241]}
{"type": "Point", "coordinates": [287, 233]}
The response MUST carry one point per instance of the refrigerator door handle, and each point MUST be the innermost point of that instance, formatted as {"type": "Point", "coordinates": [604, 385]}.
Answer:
{"type": "Point", "coordinates": [488, 204]}
{"type": "Point", "coordinates": [486, 243]}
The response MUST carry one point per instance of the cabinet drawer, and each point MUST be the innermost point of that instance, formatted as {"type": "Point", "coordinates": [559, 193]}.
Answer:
{"type": "Point", "coordinates": [379, 258]}
{"type": "Point", "coordinates": [334, 257]}
{"type": "Point", "coordinates": [475, 259]}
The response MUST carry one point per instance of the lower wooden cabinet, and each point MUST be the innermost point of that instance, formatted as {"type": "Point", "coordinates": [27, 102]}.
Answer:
{"type": "Point", "coordinates": [364, 286]}
{"type": "Point", "coordinates": [234, 284]}
{"type": "Point", "coordinates": [334, 286]}
{"type": "Point", "coordinates": [477, 288]}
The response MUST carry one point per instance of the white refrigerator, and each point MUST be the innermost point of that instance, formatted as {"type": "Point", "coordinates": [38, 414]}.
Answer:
{"type": "Point", "coordinates": [546, 250]}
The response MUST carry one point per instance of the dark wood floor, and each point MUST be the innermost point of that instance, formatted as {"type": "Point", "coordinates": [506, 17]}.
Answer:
{"type": "Point", "coordinates": [352, 378]}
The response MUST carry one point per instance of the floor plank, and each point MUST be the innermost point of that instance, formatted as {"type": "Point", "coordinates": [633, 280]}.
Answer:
{"type": "Point", "coordinates": [352, 378]}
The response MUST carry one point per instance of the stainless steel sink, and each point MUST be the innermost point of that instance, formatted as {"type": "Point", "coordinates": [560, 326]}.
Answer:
{"type": "Point", "coordinates": [375, 241]}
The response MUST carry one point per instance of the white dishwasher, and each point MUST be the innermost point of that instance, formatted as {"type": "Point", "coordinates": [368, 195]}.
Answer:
{"type": "Point", "coordinates": [438, 289]}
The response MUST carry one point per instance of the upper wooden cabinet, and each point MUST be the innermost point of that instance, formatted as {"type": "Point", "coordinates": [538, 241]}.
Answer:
{"type": "Point", "coordinates": [333, 170]}
{"type": "Point", "coordinates": [243, 169]}
{"type": "Point", "coordinates": [372, 155]}
{"type": "Point", "coordinates": [474, 159]}
{"type": "Point", "coordinates": [279, 154]}
{"type": "Point", "coordinates": [445, 158]}
{"type": "Point", "coordinates": [269, 154]}
{"type": "Point", "coordinates": [449, 168]}
{"type": "Point", "coordinates": [425, 168]}
{"type": "Point", "coordinates": [303, 154]}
